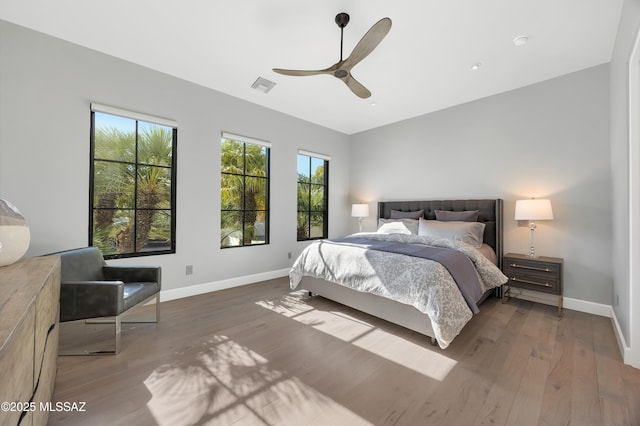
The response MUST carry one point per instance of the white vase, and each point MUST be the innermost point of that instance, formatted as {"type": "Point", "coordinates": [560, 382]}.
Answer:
{"type": "Point", "coordinates": [14, 234]}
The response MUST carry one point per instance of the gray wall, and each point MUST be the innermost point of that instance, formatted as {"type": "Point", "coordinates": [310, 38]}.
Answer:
{"type": "Point", "coordinates": [548, 140]}
{"type": "Point", "coordinates": [627, 31]}
{"type": "Point", "coordinates": [46, 86]}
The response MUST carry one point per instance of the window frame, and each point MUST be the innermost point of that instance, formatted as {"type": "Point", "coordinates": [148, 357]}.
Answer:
{"type": "Point", "coordinates": [267, 209]}
{"type": "Point", "coordinates": [147, 119]}
{"type": "Point", "coordinates": [325, 225]}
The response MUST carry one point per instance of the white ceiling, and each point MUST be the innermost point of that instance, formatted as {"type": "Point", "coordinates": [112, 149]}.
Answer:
{"type": "Point", "coordinates": [423, 65]}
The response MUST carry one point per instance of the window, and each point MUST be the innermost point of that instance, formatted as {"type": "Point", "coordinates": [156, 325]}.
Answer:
{"type": "Point", "coordinates": [244, 191]}
{"type": "Point", "coordinates": [132, 183]}
{"type": "Point", "coordinates": [313, 196]}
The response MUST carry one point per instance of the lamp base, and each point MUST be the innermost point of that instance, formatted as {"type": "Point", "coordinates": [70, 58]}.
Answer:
{"type": "Point", "coordinates": [532, 249]}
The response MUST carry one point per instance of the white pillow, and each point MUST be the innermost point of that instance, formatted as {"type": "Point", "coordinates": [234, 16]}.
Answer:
{"type": "Point", "coordinates": [468, 232]}
{"type": "Point", "coordinates": [398, 226]}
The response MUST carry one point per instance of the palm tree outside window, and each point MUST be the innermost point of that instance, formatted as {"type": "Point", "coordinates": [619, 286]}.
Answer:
{"type": "Point", "coordinates": [132, 184]}
{"type": "Point", "coordinates": [313, 196]}
{"type": "Point", "coordinates": [244, 191]}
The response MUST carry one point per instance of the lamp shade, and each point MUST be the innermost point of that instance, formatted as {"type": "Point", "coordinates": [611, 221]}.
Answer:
{"type": "Point", "coordinates": [360, 210]}
{"type": "Point", "coordinates": [533, 210]}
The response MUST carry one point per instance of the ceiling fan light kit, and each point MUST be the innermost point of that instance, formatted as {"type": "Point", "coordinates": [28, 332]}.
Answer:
{"type": "Point", "coordinates": [342, 69]}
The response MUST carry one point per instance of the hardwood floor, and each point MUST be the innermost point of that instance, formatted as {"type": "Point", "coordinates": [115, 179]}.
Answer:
{"type": "Point", "coordinates": [260, 355]}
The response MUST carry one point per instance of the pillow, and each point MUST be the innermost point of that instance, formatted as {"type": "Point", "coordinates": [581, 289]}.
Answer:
{"type": "Point", "coordinates": [397, 214]}
{"type": "Point", "coordinates": [468, 232]}
{"type": "Point", "coordinates": [463, 216]}
{"type": "Point", "coordinates": [489, 253]}
{"type": "Point", "coordinates": [398, 226]}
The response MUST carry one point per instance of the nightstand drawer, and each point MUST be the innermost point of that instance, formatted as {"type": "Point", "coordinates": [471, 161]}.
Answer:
{"type": "Point", "coordinates": [534, 283]}
{"type": "Point", "coordinates": [538, 274]}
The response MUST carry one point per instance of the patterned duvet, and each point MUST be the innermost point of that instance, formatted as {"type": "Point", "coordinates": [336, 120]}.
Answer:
{"type": "Point", "coordinates": [422, 283]}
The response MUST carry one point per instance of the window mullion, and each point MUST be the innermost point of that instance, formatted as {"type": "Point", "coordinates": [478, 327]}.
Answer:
{"type": "Point", "coordinates": [309, 206]}
{"type": "Point", "coordinates": [244, 190]}
{"type": "Point", "coordinates": [135, 195]}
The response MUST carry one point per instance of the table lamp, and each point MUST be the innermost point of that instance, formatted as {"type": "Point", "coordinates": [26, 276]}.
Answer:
{"type": "Point", "coordinates": [533, 210]}
{"type": "Point", "coordinates": [360, 211]}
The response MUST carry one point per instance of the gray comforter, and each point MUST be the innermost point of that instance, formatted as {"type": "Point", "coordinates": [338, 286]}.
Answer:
{"type": "Point", "coordinates": [424, 284]}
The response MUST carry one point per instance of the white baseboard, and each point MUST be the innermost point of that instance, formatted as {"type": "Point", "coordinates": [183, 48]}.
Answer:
{"type": "Point", "coordinates": [194, 290]}
{"type": "Point", "coordinates": [568, 303]}
{"type": "Point", "coordinates": [588, 307]}
{"type": "Point", "coordinates": [622, 344]}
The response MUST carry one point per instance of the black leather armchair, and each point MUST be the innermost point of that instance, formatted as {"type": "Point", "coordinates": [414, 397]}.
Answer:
{"type": "Point", "coordinates": [91, 289]}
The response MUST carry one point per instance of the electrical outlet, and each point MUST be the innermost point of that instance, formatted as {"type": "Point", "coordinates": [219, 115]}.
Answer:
{"type": "Point", "coordinates": [189, 270]}
{"type": "Point", "coordinates": [289, 255]}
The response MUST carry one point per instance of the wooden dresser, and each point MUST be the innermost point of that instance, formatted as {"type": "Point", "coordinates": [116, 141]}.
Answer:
{"type": "Point", "coordinates": [29, 325]}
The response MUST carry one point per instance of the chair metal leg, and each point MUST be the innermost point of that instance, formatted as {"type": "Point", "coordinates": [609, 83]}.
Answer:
{"type": "Point", "coordinates": [85, 337]}
{"type": "Point", "coordinates": [136, 317]}
{"type": "Point", "coordinates": [118, 333]}
{"type": "Point", "coordinates": [158, 307]}
{"type": "Point", "coordinates": [88, 337]}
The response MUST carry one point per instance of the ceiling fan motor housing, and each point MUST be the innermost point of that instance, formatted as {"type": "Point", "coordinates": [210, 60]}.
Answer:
{"type": "Point", "coordinates": [342, 19]}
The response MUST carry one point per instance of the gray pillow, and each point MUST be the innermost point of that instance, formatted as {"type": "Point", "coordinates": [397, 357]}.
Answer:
{"type": "Point", "coordinates": [398, 226]}
{"type": "Point", "coordinates": [416, 214]}
{"type": "Point", "coordinates": [463, 216]}
{"type": "Point", "coordinates": [468, 232]}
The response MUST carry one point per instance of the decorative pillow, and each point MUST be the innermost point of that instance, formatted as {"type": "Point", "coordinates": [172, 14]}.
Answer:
{"type": "Point", "coordinates": [416, 214]}
{"type": "Point", "coordinates": [463, 216]}
{"type": "Point", "coordinates": [398, 226]}
{"type": "Point", "coordinates": [468, 232]}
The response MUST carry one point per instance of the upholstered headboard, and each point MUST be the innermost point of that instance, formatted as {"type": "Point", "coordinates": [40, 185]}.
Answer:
{"type": "Point", "coordinates": [490, 214]}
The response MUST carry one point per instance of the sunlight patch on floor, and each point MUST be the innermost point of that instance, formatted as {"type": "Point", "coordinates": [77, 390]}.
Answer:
{"type": "Point", "coordinates": [287, 305]}
{"type": "Point", "coordinates": [227, 383]}
{"type": "Point", "coordinates": [410, 355]}
{"type": "Point", "coordinates": [364, 335]}
{"type": "Point", "coordinates": [293, 402]}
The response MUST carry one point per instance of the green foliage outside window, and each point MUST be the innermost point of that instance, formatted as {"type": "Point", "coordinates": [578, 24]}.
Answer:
{"type": "Point", "coordinates": [244, 194]}
{"type": "Point", "coordinates": [132, 186]}
{"type": "Point", "coordinates": [312, 198]}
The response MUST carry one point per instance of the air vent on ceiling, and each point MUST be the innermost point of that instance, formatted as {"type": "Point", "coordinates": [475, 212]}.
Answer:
{"type": "Point", "coordinates": [263, 85]}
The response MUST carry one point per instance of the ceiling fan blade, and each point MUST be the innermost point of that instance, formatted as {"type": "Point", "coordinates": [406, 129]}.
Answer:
{"type": "Point", "coordinates": [301, 72]}
{"type": "Point", "coordinates": [356, 87]}
{"type": "Point", "coordinates": [368, 42]}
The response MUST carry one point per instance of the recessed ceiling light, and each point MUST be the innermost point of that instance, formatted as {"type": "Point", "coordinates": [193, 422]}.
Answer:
{"type": "Point", "coordinates": [263, 85]}
{"type": "Point", "coordinates": [521, 40]}
{"type": "Point", "coordinates": [476, 66]}
{"type": "Point", "coordinates": [373, 103]}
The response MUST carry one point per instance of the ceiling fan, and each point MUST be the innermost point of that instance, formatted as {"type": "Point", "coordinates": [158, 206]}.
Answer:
{"type": "Point", "coordinates": [342, 68]}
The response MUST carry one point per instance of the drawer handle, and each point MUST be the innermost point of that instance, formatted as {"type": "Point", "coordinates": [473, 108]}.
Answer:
{"type": "Point", "coordinates": [530, 282]}
{"type": "Point", "coordinates": [515, 265]}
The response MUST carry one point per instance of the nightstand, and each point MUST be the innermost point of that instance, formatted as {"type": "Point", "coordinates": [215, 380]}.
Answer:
{"type": "Point", "coordinates": [536, 274]}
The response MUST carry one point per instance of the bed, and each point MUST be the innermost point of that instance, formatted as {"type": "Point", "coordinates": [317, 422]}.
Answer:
{"type": "Point", "coordinates": [445, 307]}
